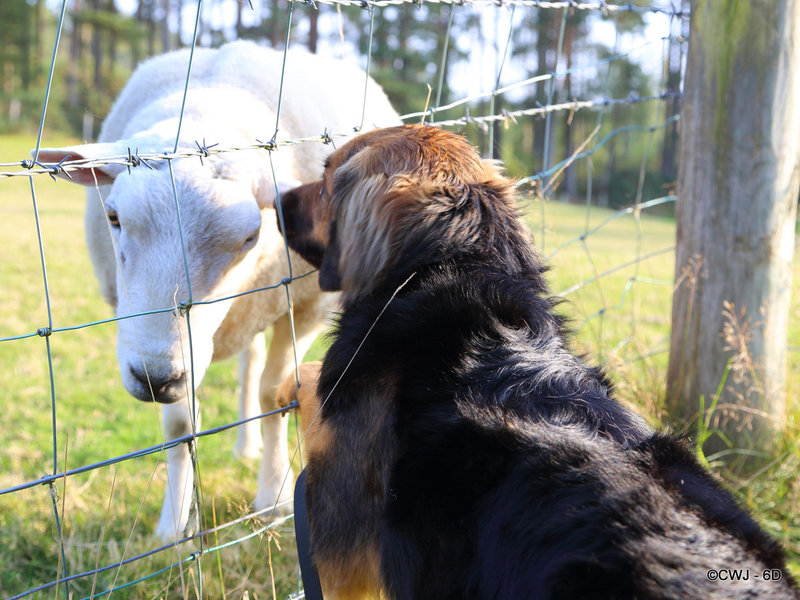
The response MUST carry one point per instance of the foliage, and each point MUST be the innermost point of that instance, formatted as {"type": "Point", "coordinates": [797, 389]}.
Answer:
{"type": "Point", "coordinates": [101, 45]}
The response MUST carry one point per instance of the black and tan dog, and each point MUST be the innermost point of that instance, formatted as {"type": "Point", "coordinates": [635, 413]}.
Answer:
{"type": "Point", "coordinates": [461, 451]}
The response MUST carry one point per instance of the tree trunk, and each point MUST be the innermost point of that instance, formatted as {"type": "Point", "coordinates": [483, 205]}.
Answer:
{"type": "Point", "coordinates": [166, 44]}
{"type": "Point", "coordinates": [669, 165]}
{"type": "Point", "coordinates": [39, 33]}
{"type": "Point", "coordinates": [151, 25]}
{"type": "Point", "coordinates": [97, 48]}
{"type": "Point", "coordinates": [275, 37]}
{"type": "Point", "coordinates": [441, 95]}
{"type": "Point", "coordinates": [239, 22]}
{"type": "Point", "coordinates": [313, 32]}
{"type": "Point", "coordinates": [570, 173]}
{"type": "Point", "coordinates": [75, 44]}
{"type": "Point", "coordinates": [544, 44]}
{"type": "Point", "coordinates": [179, 16]}
{"type": "Point", "coordinates": [738, 179]}
{"type": "Point", "coordinates": [499, 126]}
{"type": "Point", "coordinates": [113, 34]}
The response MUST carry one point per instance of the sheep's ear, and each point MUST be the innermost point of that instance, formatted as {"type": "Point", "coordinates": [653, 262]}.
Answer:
{"type": "Point", "coordinates": [101, 174]}
{"type": "Point", "coordinates": [266, 190]}
{"type": "Point", "coordinates": [145, 142]}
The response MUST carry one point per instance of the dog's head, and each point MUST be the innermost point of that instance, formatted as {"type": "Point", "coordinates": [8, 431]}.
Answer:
{"type": "Point", "coordinates": [394, 200]}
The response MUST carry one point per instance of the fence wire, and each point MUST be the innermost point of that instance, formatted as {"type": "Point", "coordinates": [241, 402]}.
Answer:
{"type": "Point", "coordinates": [194, 549]}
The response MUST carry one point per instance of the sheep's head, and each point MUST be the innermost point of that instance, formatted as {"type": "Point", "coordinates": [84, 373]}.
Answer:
{"type": "Point", "coordinates": [203, 236]}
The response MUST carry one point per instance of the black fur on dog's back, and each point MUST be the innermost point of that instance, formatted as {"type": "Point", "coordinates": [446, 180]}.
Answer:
{"type": "Point", "coordinates": [480, 456]}
{"type": "Point", "coordinates": [516, 475]}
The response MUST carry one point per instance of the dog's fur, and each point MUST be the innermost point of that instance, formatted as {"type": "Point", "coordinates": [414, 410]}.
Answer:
{"type": "Point", "coordinates": [461, 450]}
{"type": "Point", "coordinates": [302, 386]}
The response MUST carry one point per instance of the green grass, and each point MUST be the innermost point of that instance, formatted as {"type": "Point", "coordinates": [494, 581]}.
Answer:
{"type": "Point", "coordinates": [108, 514]}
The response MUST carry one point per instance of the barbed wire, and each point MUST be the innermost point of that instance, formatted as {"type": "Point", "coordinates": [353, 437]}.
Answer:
{"type": "Point", "coordinates": [597, 5]}
{"type": "Point", "coordinates": [611, 134]}
{"type": "Point", "coordinates": [572, 107]}
{"type": "Point", "coordinates": [135, 159]}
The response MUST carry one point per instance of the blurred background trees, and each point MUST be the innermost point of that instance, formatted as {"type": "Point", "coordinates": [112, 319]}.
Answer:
{"type": "Point", "coordinates": [103, 41]}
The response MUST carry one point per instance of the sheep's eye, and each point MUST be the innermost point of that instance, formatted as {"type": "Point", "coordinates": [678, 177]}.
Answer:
{"type": "Point", "coordinates": [113, 219]}
{"type": "Point", "coordinates": [250, 242]}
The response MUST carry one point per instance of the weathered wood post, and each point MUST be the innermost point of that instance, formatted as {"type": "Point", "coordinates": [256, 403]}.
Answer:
{"type": "Point", "coordinates": [739, 177]}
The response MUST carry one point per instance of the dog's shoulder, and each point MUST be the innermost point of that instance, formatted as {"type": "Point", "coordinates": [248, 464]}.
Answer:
{"type": "Point", "coordinates": [487, 339]}
{"type": "Point", "coordinates": [498, 342]}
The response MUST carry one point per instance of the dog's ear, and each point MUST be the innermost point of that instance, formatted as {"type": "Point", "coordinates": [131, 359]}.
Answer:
{"type": "Point", "coordinates": [415, 208]}
{"type": "Point", "coordinates": [359, 251]}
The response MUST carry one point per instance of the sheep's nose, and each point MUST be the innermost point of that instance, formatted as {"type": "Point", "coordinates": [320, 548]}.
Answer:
{"type": "Point", "coordinates": [165, 389]}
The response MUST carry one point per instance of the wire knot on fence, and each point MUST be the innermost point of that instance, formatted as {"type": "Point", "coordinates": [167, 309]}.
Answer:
{"type": "Point", "coordinates": [204, 149]}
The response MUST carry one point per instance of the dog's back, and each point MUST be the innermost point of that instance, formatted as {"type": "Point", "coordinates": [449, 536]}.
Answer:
{"type": "Point", "coordinates": [520, 477]}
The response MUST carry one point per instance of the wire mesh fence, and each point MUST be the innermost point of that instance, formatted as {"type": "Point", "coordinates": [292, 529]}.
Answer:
{"type": "Point", "coordinates": [88, 539]}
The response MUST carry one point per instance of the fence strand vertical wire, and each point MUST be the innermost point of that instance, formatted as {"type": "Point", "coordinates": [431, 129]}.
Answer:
{"type": "Point", "coordinates": [46, 332]}
{"type": "Point", "coordinates": [286, 282]}
{"type": "Point", "coordinates": [492, 151]}
{"type": "Point", "coordinates": [194, 414]}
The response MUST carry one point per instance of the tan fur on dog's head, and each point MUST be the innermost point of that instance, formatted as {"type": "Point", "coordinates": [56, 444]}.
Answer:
{"type": "Point", "coordinates": [395, 199]}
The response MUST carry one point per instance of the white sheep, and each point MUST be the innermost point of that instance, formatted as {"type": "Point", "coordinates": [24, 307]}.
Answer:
{"type": "Point", "coordinates": [229, 234]}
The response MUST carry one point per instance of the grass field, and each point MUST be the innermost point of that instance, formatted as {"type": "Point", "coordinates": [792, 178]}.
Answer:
{"type": "Point", "coordinates": [621, 320]}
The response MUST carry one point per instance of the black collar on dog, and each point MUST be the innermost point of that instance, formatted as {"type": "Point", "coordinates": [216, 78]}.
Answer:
{"type": "Point", "coordinates": [311, 585]}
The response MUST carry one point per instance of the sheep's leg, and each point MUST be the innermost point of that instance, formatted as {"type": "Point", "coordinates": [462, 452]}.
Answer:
{"type": "Point", "coordinates": [251, 367]}
{"type": "Point", "coordinates": [275, 477]}
{"type": "Point", "coordinates": [174, 521]}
